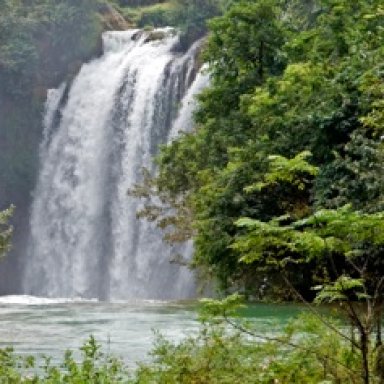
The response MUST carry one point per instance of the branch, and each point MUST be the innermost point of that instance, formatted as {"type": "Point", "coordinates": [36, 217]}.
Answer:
{"type": "Point", "coordinates": [377, 290]}
{"type": "Point", "coordinates": [317, 314]}
{"type": "Point", "coordinates": [357, 269]}
{"type": "Point", "coordinates": [242, 329]}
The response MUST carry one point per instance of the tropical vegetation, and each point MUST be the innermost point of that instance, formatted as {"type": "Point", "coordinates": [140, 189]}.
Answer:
{"type": "Point", "coordinates": [283, 170]}
{"type": "Point", "coordinates": [280, 184]}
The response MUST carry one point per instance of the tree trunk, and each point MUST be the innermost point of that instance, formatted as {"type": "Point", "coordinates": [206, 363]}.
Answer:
{"type": "Point", "coordinates": [261, 60]}
{"type": "Point", "coordinates": [364, 346]}
{"type": "Point", "coordinates": [378, 326]}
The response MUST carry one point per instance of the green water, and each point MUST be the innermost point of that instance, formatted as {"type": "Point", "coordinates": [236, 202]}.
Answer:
{"type": "Point", "coordinates": [41, 326]}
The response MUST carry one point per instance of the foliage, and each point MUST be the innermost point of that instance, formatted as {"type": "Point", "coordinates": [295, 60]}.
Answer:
{"type": "Point", "coordinates": [229, 351]}
{"type": "Point", "coordinates": [5, 230]}
{"type": "Point", "coordinates": [152, 15]}
{"type": "Point", "coordinates": [94, 367]}
{"type": "Point", "coordinates": [326, 231]}
{"type": "Point", "coordinates": [43, 37]}
{"type": "Point", "coordinates": [312, 348]}
{"type": "Point", "coordinates": [347, 246]}
{"type": "Point", "coordinates": [282, 170]}
{"type": "Point", "coordinates": [189, 16]}
{"type": "Point", "coordinates": [288, 79]}
{"type": "Point", "coordinates": [265, 220]}
{"type": "Point", "coordinates": [244, 44]}
{"type": "Point", "coordinates": [355, 176]}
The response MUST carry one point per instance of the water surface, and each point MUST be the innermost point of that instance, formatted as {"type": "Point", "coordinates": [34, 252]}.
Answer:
{"type": "Point", "coordinates": [37, 326]}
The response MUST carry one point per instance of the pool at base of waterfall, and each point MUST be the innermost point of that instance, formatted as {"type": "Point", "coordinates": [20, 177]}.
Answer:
{"type": "Point", "coordinates": [43, 326]}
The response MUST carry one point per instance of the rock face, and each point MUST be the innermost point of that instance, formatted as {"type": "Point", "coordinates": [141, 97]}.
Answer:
{"type": "Point", "coordinates": [158, 35]}
{"type": "Point", "coordinates": [112, 20]}
{"type": "Point", "coordinates": [58, 56]}
{"type": "Point", "coordinates": [20, 130]}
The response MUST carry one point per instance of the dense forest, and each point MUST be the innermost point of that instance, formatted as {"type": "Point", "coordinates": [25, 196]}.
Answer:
{"type": "Point", "coordinates": [280, 185]}
{"type": "Point", "coordinates": [288, 134]}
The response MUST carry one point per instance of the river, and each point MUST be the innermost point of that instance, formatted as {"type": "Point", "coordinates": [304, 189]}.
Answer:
{"type": "Point", "coordinates": [36, 326]}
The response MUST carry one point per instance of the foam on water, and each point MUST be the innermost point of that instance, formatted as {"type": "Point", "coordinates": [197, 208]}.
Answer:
{"type": "Point", "coordinates": [34, 300]}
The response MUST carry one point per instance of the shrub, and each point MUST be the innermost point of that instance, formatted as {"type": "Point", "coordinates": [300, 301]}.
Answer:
{"type": "Point", "coordinates": [94, 368]}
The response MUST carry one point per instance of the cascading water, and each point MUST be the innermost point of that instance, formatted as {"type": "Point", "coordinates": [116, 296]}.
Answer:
{"type": "Point", "coordinates": [85, 240]}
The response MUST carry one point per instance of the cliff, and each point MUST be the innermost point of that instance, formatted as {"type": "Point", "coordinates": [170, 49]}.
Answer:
{"type": "Point", "coordinates": [41, 45]}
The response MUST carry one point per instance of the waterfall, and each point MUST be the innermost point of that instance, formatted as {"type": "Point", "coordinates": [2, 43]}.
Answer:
{"type": "Point", "coordinates": [85, 239]}
{"type": "Point", "coordinates": [184, 120]}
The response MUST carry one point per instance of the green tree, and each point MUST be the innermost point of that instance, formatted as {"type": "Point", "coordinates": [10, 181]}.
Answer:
{"type": "Point", "coordinates": [341, 251]}
{"type": "Point", "coordinates": [191, 16]}
{"type": "Point", "coordinates": [280, 88]}
{"type": "Point", "coordinates": [40, 40]}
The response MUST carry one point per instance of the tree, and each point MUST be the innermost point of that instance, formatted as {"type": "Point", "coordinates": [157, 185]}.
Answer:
{"type": "Point", "coordinates": [192, 15]}
{"type": "Point", "coordinates": [38, 42]}
{"type": "Point", "coordinates": [243, 49]}
{"type": "Point", "coordinates": [280, 88]}
{"type": "Point", "coordinates": [282, 177]}
{"type": "Point", "coordinates": [341, 251]}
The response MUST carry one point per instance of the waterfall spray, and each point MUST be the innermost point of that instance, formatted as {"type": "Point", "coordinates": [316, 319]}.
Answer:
{"type": "Point", "coordinates": [85, 239]}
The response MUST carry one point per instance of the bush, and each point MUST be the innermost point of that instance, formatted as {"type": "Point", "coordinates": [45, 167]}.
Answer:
{"type": "Point", "coordinates": [307, 352]}
{"type": "Point", "coordinates": [156, 16]}
{"type": "Point", "coordinates": [94, 368]}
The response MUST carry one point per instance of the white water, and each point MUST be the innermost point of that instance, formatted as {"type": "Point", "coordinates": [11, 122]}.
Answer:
{"type": "Point", "coordinates": [85, 240]}
{"type": "Point", "coordinates": [54, 98]}
{"type": "Point", "coordinates": [184, 120]}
